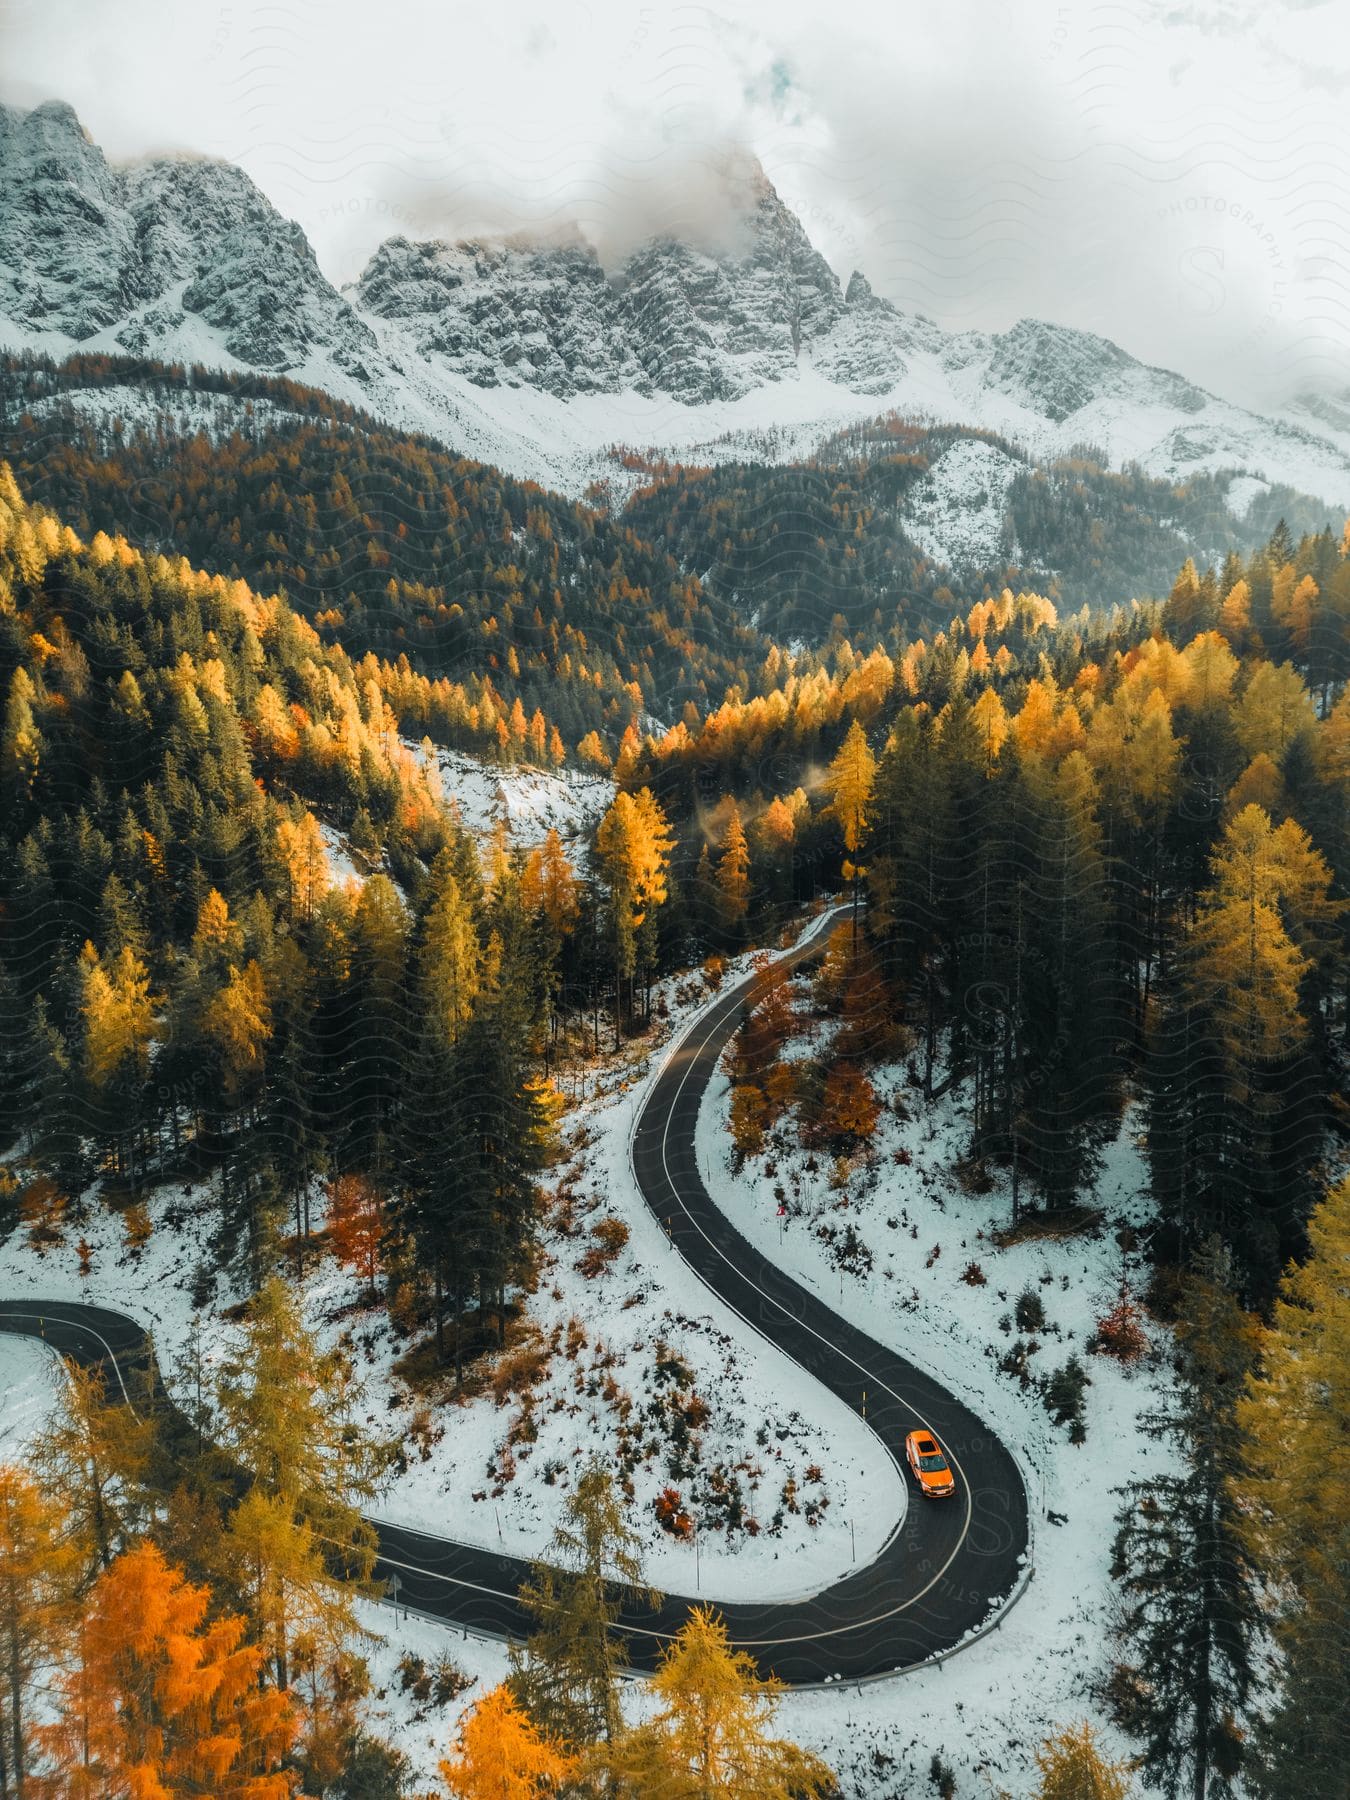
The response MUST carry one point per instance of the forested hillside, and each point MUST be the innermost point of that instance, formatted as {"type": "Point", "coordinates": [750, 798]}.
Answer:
{"type": "Point", "coordinates": [1066, 827]}
{"type": "Point", "coordinates": [516, 602]}
{"type": "Point", "coordinates": [1098, 863]}
{"type": "Point", "coordinates": [183, 984]}
{"type": "Point", "coordinates": [888, 526]}
{"type": "Point", "coordinates": [384, 541]}
{"type": "Point", "coordinates": [1071, 816]}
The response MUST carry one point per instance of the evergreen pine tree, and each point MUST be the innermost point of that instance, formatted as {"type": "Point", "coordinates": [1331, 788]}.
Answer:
{"type": "Point", "coordinates": [1190, 1611]}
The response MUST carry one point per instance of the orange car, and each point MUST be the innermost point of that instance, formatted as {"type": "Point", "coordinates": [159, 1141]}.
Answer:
{"type": "Point", "coordinates": [931, 1470]}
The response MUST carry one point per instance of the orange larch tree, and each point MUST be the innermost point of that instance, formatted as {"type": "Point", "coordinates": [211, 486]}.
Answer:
{"type": "Point", "coordinates": [356, 1224]}
{"type": "Point", "coordinates": [39, 1570]}
{"type": "Point", "coordinates": [502, 1757]}
{"type": "Point", "coordinates": [162, 1703]}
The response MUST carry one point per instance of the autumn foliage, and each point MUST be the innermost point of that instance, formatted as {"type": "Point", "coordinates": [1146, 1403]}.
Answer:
{"type": "Point", "coordinates": [501, 1756]}
{"type": "Point", "coordinates": [162, 1699]}
{"type": "Point", "coordinates": [1120, 1331]}
{"type": "Point", "coordinates": [356, 1224]}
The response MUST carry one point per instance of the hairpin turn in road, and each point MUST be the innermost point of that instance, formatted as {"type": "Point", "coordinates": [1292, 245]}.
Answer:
{"type": "Point", "coordinates": [943, 1573]}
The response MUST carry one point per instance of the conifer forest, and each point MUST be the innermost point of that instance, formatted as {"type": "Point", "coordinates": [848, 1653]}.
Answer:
{"type": "Point", "coordinates": [674, 930]}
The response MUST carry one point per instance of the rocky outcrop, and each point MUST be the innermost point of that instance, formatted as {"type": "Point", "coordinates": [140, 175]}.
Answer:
{"type": "Point", "coordinates": [85, 246]}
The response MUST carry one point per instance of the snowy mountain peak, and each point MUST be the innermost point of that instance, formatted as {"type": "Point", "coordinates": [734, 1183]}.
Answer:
{"type": "Point", "coordinates": [86, 246]}
{"type": "Point", "coordinates": [677, 316]}
{"type": "Point", "coordinates": [731, 335]}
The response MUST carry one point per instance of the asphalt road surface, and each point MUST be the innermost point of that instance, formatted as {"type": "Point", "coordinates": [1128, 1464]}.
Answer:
{"type": "Point", "coordinates": [942, 1573]}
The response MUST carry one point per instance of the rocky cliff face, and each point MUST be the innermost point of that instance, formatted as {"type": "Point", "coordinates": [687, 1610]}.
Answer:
{"type": "Point", "coordinates": [674, 319]}
{"type": "Point", "coordinates": [742, 345]}
{"type": "Point", "coordinates": [504, 314]}
{"type": "Point", "coordinates": [84, 246]}
{"type": "Point", "coordinates": [68, 254]}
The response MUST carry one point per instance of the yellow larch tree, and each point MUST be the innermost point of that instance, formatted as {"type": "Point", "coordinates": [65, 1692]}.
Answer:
{"type": "Point", "coordinates": [1073, 1767]}
{"type": "Point", "coordinates": [733, 871]}
{"type": "Point", "coordinates": [633, 844]}
{"type": "Point", "coordinates": [990, 719]}
{"type": "Point", "coordinates": [305, 859]}
{"type": "Point", "coordinates": [710, 1737]}
{"type": "Point", "coordinates": [237, 1023]}
{"type": "Point", "coordinates": [1296, 1415]}
{"type": "Point", "coordinates": [850, 782]}
{"type": "Point", "coordinates": [1274, 710]}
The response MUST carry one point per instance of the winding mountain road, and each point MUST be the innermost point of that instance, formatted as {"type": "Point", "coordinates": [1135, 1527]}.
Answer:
{"type": "Point", "coordinates": [941, 1574]}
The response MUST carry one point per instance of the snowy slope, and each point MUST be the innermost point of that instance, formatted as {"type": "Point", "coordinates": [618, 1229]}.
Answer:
{"type": "Point", "coordinates": [531, 802]}
{"type": "Point", "coordinates": [495, 1470]}
{"type": "Point", "coordinates": [29, 1373]}
{"type": "Point", "coordinates": [531, 356]}
{"type": "Point", "coordinates": [955, 514]}
{"type": "Point", "coordinates": [898, 1249]}
{"type": "Point", "coordinates": [986, 1710]}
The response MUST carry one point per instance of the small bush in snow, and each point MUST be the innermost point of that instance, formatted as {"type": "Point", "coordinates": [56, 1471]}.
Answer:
{"type": "Point", "coordinates": [973, 1177]}
{"type": "Point", "coordinates": [1030, 1311]}
{"type": "Point", "coordinates": [424, 1432]}
{"type": "Point", "coordinates": [1016, 1361]}
{"type": "Point", "coordinates": [671, 1515]}
{"type": "Point", "coordinates": [136, 1227]}
{"type": "Point", "coordinates": [672, 1368]}
{"type": "Point", "coordinates": [942, 1778]}
{"type": "Point", "coordinates": [973, 1275]}
{"type": "Point", "coordinates": [414, 1677]}
{"type": "Point", "coordinates": [42, 1210]}
{"type": "Point", "coordinates": [608, 1238]}
{"type": "Point", "coordinates": [448, 1680]}
{"type": "Point", "coordinates": [1063, 1391]}
{"type": "Point", "coordinates": [519, 1370]}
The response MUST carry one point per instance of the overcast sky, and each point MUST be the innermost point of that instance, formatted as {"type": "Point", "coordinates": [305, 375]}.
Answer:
{"type": "Point", "coordinates": [1175, 176]}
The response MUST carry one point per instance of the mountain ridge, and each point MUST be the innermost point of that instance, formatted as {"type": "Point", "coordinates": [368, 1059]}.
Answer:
{"type": "Point", "coordinates": [528, 353]}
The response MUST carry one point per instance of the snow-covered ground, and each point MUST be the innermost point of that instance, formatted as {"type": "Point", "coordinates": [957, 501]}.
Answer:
{"type": "Point", "coordinates": [341, 867]}
{"type": "Point", "coordinates": [915, 1233]}
{"type": "Point", "coordinates": [955, 514]}
{"type": "Point", "coordinates": [29, 1373]}
{"type": "Point", "coordinates": [181, 410]}
{"type": "Point", "coordinates": [1242, 490]}
{"type": "Point", "coordinates": [531, 801]}
{"type": "Point", "coordinates": [635, 1359]}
